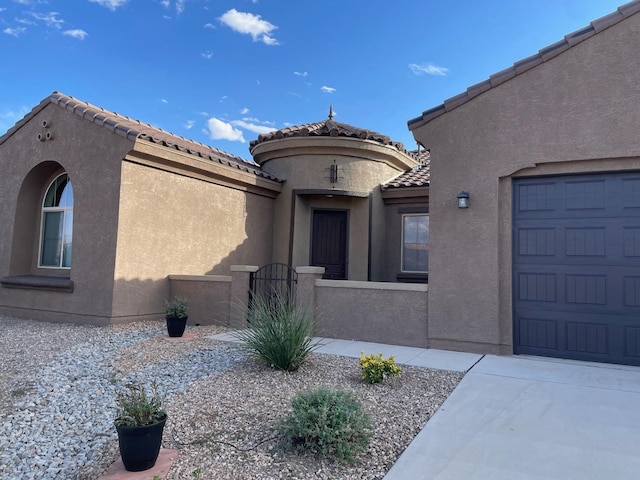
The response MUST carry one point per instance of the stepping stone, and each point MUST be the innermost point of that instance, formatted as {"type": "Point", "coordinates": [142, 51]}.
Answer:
{"type": "Point", "coordinates": [161, 468]}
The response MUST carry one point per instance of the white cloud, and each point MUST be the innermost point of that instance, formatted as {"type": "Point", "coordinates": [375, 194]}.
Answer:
{"type": "Point", "coordinates": [76, 33]}
{"type": "Point", "coordinates": [8, 118]}
{"type": "Point", "coordinates": [50, 19]}
{"type": "Point", "coordinates": [244, 111]}
{"type": "Point", "coordinates": [25, 21]}
{"type": "Point", "coordinates": [326, 89]}
{"type": "Point", "coordinates": [249, 24]}
{"type": "Point", "coordinates": [206, 55]}
{"type": "Point", "coordinates": [301, 74]}
{"type": "Point", "coordinates": [189, 125]}
{"type": "Point", "coordinates": [219, 130]}
{"type": "Point", "coordinates": [252, 127]}
{"type": "Point", "coordinates": [165, 3]}
{"type": "Point", "coordinates": [164, 100]}
{"type": "Point", "coordinates": [16, 32]}
{"type": "Point", "coordinates": [209, 25]}
{"type": "Point", "coordinates": [428, 69]}
{"type": "Point", "coordinates": [110, 4]}
{"type": "Point", "coordinates": [179, 6]}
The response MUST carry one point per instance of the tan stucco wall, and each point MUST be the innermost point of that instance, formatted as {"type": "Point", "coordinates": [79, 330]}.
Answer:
{"type": "Point", "coordinates": [176, 224]}
{"type": "Point", "coordinates": [578, 112]}
{"type": "Point", "coordinates": [209, 297]}
{"type": "Point", "coordinates": [304, 163]}
{"type": "Point", "coordinates": [91, 157]}
{"type": "Point", "coordinates": [372, 312]}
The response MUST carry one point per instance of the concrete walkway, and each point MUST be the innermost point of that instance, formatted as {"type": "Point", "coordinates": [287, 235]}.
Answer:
{"type": "Point", "coordinates": [418, 357]}
{"type": "Point", "coordinates": [525, 418]}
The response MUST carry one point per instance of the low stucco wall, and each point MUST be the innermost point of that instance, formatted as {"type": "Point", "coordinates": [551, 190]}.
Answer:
{"type": "Point", "coordinates": [393, 313]}
{"type": "Point", "coordinates": [209, 297]}
{"type": "Point", "coordinates": [372, 311]}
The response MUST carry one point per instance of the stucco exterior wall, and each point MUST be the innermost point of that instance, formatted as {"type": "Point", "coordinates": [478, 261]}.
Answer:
{"type": "Point", "coordinates": [305, 164]}
{"type": "Point", "coordinates": [176, 224]}
{"type": "Point", "coordinates": [372, 312]}
{"type": "Point", "coordinates": [91, 156]}
{"type": "Point", "coordinates": [209, 297]}
{"type": "Point", "coordinates": [577, 112]}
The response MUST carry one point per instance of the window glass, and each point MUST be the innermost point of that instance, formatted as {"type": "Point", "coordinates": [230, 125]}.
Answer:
{"type": "Point", "coordinates": [415, 243]}
{"type": "Point", "coordinates": [57, 224]}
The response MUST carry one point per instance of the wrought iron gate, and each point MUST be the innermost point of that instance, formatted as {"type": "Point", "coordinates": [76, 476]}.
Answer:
{"type": "Point", "coordinates": [272, 284]}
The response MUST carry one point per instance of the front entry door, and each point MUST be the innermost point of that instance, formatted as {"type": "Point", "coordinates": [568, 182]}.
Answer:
{"type": "Point", "coordinates": [329, 243]}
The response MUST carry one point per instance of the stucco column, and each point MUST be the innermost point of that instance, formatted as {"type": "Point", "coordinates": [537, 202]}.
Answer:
{"type": "Point", "coordinates": [306, 289]}
{"type": "Point", "coordinates": [240, 283]}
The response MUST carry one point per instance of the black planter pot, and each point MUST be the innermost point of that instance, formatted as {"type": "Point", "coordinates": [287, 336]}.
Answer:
{"type": "Point", "coordinates": [140, 446]}
{"type": "Point", "coordinates": [176, 326]}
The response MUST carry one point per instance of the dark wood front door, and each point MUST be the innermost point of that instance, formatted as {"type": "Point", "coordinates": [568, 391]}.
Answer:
{"type": "Point", "coordinates": [329, 243]}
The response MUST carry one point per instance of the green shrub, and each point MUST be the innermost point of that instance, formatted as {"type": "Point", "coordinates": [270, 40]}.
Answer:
{"type": "Point", "coordinates": [176, 307]}
{"type": "Point", "coordinates": [278, 333]}
{"type": "Point", "coordinates": [330, 422]}
{"type": "Point", "coordinates": [375, 368]}
{"type": "Point", "coordinates": [137, 408]}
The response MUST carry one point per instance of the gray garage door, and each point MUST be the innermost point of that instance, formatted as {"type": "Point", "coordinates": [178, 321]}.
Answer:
{"type": "Point", "coordinates": [576, 267]}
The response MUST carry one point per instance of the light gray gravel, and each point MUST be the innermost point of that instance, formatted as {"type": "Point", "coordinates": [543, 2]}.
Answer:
{"type": "Point", "coordinates": [59, 382]}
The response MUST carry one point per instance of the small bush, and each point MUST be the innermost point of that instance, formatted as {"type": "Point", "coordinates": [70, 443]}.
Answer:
{"type": "Point", "coordinates": [137, 408]}
{"type": "Point", "coordinates": [176, 307]}
{"type": "Point", "coordinates": [330, 422]}
{"type": "Point", "coordinates": [375, 368]}
{"type": "Point", "coordinates": [278, 333]}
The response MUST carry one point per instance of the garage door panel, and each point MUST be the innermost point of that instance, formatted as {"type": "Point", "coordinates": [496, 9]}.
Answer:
{"type": "Point", "coordinates": [631, 242]}
{"type": "Point", "coordinates": [632, 292]}
{"type": "Point", "coordinates": [632, 342]}
{"type": "Point", "coordinates": [591, 337]}
{"type": "Point", "coordinates": [576, 267]}
{"type": "Point", "coordinates": [631, 192]}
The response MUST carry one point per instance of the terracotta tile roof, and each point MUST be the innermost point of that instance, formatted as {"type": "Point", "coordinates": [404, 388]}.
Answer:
{"type": "Point", "coordinates": [134, 129]}
{"type": "Point", "coordinates": [528, 63]}
{"type": "Point", "coordinates": [327, 128]}
{"type": "Point", "coordinates": [418, 176]}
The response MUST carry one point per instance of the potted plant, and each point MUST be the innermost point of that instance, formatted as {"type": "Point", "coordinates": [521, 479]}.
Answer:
{"type": "Point", "coordinates": [176, 315]}
{"type": "Point", "coordinates": [139, 422]}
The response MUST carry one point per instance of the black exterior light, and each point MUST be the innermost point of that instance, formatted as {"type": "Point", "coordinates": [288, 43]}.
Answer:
{"type": "Point", "coordinates": [463, 199]}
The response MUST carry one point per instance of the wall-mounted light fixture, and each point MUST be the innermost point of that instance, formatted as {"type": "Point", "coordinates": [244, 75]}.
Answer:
{"type": "Point", "coordinates": [463, 199]}
{"type": "Point", "coordinates": [333, 173]}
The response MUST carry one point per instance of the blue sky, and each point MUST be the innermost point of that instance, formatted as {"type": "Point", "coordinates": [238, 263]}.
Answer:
{"type": "Point", "coordinates": [222, 71]}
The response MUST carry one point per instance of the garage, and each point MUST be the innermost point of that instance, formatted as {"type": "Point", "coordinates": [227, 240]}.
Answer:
{"type": "Point", "coordinates": [576, 267]}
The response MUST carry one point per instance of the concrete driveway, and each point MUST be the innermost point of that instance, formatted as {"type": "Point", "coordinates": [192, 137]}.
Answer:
{"type": "Point", "coordinates": [532, 418]}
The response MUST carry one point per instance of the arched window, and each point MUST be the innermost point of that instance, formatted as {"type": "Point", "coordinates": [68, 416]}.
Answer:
{"type": "Point", "coordinates": [57, 224]}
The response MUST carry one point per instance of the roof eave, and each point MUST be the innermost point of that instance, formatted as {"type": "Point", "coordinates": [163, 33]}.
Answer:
{"type": "Point", "coordinates": [526, 64]}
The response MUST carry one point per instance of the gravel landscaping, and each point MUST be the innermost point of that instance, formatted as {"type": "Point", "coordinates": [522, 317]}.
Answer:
{"type": "Point", "coordinates": [58, 385]}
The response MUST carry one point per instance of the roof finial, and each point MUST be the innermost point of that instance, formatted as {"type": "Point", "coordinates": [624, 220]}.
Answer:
{"type": "Point", "coordinates": [330, 111]}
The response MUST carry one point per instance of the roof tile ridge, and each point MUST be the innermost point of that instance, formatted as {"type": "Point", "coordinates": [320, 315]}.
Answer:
{"type": "Point", "coordinates": [521, 66]}
{"type": "Point", "coordinates": [630, 8]}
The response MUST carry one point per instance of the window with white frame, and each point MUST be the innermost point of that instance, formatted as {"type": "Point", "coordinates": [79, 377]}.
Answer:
{"type": "Point", "coordinates": [57, 224]}
{"type": "Point", "coordinates": [415, 243]}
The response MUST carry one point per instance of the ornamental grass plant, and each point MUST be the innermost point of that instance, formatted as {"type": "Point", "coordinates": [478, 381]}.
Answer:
{"type": "Point", "coordinates": [278, 332]}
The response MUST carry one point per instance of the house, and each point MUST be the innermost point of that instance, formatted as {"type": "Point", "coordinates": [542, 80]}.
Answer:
{"type": "Point", "coordinates": [101, 211]}
{"type": "Point", "coordinates": [546, 258]}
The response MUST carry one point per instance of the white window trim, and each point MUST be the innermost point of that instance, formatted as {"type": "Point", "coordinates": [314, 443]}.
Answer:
{"type": "Point", "coordinates": [404, 215]}
{"type": "Point", "coordinates": [44, 210]}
